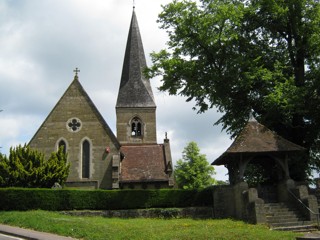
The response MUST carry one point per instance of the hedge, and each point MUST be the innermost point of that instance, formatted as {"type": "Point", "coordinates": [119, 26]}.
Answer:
{"type": "Point", "coordinates": [56, 200]}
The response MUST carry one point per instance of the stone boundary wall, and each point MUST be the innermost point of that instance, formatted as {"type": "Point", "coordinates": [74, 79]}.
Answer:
{"type": "Point", "coordinates": [223, 201]}
{"type": "Point", "coordinates": [192, 212]}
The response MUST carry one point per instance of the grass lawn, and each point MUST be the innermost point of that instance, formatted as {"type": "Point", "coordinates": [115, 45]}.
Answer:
{"type": "Point", "coordinates": [96, 228]}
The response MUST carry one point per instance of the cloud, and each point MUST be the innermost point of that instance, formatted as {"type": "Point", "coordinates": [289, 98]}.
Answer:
{"type": "Point", "coordinates": [16, 129]}
{"type": "Point", "coordinates": [42, 42]}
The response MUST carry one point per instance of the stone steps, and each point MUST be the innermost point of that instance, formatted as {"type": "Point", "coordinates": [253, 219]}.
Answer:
{"type": "Point", "coordinates": [293, 224]}
{"type": "Point", "coordinates": [286, 221]}
{"type": "Point", "coordinates": [281, 216]}
{"type": "Point", "coordinates": [302, 229]}
{"type": "Point", "coordinates": [310, 236]}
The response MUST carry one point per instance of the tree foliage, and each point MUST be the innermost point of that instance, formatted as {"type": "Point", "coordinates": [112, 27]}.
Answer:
{"type": "Point", "coordinates": [243, 56]}
{"type": "Point", "coordinates": [26, 167]}
{"type": "Point", "coordinates": [193, 170]}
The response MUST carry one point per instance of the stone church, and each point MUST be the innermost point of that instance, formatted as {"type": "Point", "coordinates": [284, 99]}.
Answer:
{"type": "Point", "coordinates": [99, 158]}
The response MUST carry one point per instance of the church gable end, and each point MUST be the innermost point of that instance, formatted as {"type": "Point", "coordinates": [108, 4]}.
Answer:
{"type": "Point", "coordinates": [76, 124]}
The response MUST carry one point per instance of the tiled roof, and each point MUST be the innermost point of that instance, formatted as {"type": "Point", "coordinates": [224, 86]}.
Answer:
{"type": "Point", "coordinates": [143, 163]}
{"type": "Point", "coordinates": [135, 89]}
{"type": "Point", "coordinates": [256, 138]}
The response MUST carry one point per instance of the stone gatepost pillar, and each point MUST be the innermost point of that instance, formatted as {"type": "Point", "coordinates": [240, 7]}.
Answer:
{"type": "Point", "coordinates": [240, 206]}
{"type": "Point", "coordinates": [255, 211]}
{"type": "Point", "coordinates": [282, 190]}
{"type": "Point", "coordinates": [310, 207]}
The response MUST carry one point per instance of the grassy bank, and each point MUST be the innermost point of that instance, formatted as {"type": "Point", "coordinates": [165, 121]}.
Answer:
{"type": "Point", "coordinates": [96, 228]}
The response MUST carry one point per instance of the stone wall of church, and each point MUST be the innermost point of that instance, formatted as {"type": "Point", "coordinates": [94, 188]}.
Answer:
{"type": "Point", "coordinates": [124, 131]}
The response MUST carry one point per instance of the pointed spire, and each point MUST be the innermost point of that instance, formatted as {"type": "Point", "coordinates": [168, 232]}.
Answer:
{"type": "Point", "coordinates": [135, 89]}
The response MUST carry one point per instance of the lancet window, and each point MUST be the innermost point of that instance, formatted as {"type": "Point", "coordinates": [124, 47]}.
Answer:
{"type": "Point", "coordinates": [63, 144]}
{"type": "Point", "coordinates": [86, 159]}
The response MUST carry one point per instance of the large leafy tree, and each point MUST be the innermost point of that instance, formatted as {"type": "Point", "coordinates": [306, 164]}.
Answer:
{"type": "Point", "coordinates": [193, 171]}
{"type": "Point", "coordinates": [26, 167]}
{"type": "Point", "coordinates": [242, 56]}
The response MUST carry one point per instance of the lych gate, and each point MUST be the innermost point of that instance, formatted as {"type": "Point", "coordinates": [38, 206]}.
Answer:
{"type": "Point", "coordinates": [259, 150]}
{"type": "Point", "coordinates": [258, 198]}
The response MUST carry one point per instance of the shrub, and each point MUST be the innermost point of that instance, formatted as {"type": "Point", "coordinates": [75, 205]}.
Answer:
{"type": "Point", "coordinates": [26, 167]}
{"type": "Point", "coordinates": [48, 199]}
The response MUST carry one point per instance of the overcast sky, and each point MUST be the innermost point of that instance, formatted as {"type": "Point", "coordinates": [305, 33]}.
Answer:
{"type": "Point", "coordinates": [43, 41]}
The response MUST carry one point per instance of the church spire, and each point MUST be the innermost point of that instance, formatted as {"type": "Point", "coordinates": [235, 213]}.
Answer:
{"type": "Point", "coordinates": [135, 108]}
{"type": "Point", "coordinates": [135, 89]}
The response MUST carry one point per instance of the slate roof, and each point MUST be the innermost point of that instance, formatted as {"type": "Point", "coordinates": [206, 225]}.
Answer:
{"type": "Point", "coordinates": [135, 89]}
{"type": "Point", "coordinates": [143, 163]}
{"type": "Point", "coordinates": [256, 138]}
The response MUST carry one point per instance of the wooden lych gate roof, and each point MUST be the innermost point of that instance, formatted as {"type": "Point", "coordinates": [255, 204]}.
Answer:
{"type": "Point", "coordinates": [256, 138]}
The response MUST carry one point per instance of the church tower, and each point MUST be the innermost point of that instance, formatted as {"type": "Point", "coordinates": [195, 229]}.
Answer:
{"type": "Point", "coordinates": [135, 107]}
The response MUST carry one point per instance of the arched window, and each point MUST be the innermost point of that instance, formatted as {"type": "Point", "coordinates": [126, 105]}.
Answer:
{"type": "Point", "coordinates": [63, 144]}
{"type": "Point", "coordinates": [136, 127]}
{"type": "Point", "coordinates": [85, 159]}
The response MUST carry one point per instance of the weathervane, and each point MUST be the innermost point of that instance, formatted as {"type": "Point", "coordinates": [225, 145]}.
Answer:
{"type": "Point", "coordinates": [134, 4]}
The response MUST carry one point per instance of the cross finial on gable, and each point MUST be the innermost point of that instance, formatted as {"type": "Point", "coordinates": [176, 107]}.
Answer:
{"type": "Point", "coordinates": [76, 71]}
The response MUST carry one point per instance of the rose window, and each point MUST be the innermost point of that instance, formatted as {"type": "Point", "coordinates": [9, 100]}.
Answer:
{"type": "Point", "coordinates": [74, 125]}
